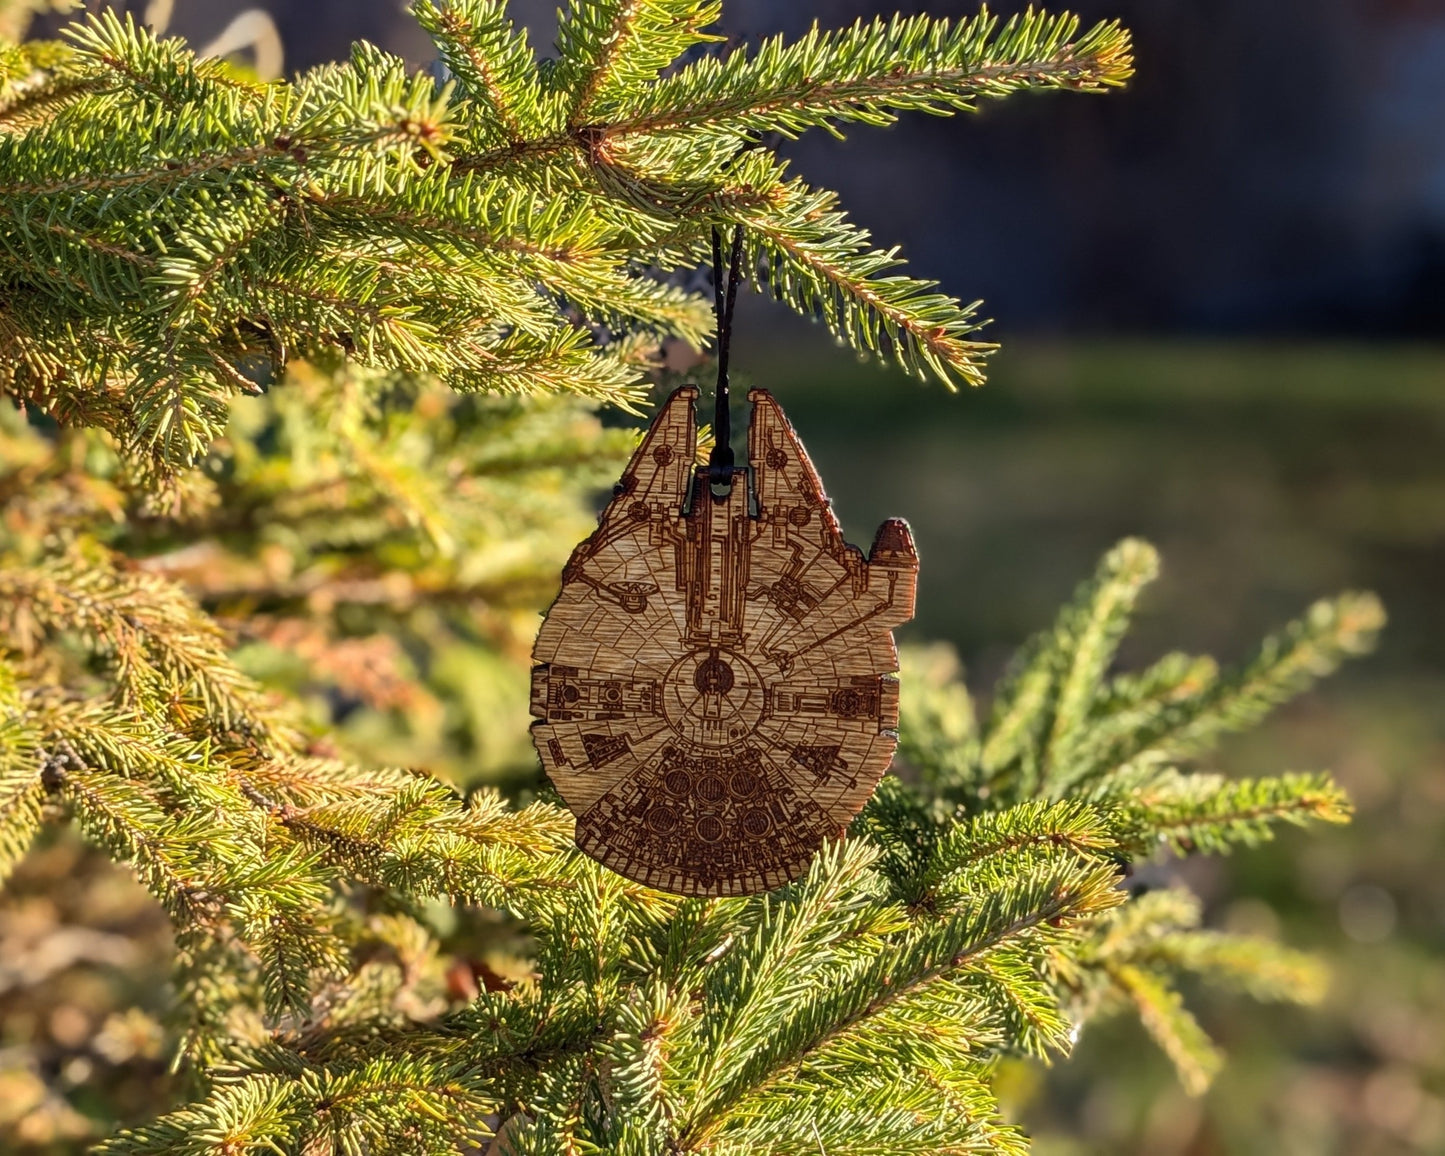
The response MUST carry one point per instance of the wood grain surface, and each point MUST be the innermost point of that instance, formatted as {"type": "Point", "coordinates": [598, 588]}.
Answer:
{"type": "Point", "coordinates": [713, 687]}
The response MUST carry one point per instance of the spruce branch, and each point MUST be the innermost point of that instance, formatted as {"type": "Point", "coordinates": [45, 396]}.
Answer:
{"type": "Point", "coordinates": [937, 728]}
{"type": "Point", "coordinates": [420, 841]}
{"type": "Point", "coordinates": [209, 865]}
{"type": "Point", "coordinates": [872, 71]}
{"type": "Point", "coordinates": [879, 1116]}
{"type": "Point", "coordinates": [611, 49]}
{"type": "Point", "coordinates": [257, 1114]}
{"type": "Point", "coordinates": [1261, 969]}
{"type": "Point", "coordinates": [1051, 687]}
{"type": "Point", "coordinates": [357, 1110]}
{"type": "Point", "coordinates": [152, 634]}
{"type": "Point", "coordinates": [1207, 813]}
{"type": "Point", "coordinates": [21, 801]}
{"type": "Point", "coordinates": [1021, 994]}
{"type": "Point", "coordinates": [1033, 904]}
{"type": "Point", "coordinates": [999, 840]}
{"type": "Point", "coordinates": [1098, 624]}
{"type": "Point", "coordinates": [1162, 1012]}
{"type": "Point", "coordinates": [22, 761]}
{"type": "Point", "coordinates": [825, 267]}
{"type": "Point", "coordinates": [641, 1076]}
{"type": "Point", "coordinates": [126, 819]}
{"type": "Point", "coordinates": [1288, 664]}
{"type": "Point", "coordinates": [36, 79]}
{"type": "Point", "coordinates": [494, 64]}
{"type": "Point", "coordinates": [760, 976]}
{"type": "Point", "coordinates": [1129, 705]}
{"type": "Point", "coordinates": [1160, 931]}
{"type": "Point", "coordinates": [154, 275]}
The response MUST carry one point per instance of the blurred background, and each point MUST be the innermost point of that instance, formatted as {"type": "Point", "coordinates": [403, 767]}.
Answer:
{"type": "Point", "coordinates": [1220, 295]}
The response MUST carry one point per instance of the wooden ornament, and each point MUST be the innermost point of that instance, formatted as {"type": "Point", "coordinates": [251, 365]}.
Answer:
{"type": "Point", "coordinates": [713, 685]}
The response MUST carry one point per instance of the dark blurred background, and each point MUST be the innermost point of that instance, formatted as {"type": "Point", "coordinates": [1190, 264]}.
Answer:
{"type": "Point", "coordinates": [1274, 167]}
{"type": "Point", "coordinates": [1221, 294]}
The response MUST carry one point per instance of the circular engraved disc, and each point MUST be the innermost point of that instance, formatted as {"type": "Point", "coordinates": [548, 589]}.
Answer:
{"type": "Point", "coordinates": [713, 698]}
{"type": "Point", "coordinates": [755, 823]}
{"type": "Point", "coordinates": [712, 687]}
{"type": "Point", "coordinates": [661, 819]}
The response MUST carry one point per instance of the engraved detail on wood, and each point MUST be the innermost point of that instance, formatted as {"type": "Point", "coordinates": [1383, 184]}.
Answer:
{"type": "Point", "coordinates": [712, 690]}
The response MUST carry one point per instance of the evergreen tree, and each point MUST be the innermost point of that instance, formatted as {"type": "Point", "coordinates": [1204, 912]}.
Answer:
{"type": "Point", "coordinates": [305, 380]}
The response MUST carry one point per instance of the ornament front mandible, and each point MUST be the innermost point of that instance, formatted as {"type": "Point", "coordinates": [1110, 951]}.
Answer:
{"type": "Point", "coordinates": [713, 687]}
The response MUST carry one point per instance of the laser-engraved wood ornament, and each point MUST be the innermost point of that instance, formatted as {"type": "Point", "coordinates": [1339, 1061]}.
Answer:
{"type": "Point", "coordinates": [713, 687]}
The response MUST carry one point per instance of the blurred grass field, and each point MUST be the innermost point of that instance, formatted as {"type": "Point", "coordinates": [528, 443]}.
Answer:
{"type": "Point", "coordinates": [1268, 475]}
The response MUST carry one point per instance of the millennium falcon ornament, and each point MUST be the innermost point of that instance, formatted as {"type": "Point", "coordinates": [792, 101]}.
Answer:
{"type": "Point", "coordinates": [713, 689]}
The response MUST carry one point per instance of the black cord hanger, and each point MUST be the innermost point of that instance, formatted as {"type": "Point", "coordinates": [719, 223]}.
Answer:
{"type": "Point", "coordinates": [725, 295]}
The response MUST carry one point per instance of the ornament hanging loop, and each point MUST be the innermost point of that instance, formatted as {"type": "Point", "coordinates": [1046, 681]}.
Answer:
{"type": "Point", "coordinates": [725, 295]}
{"type": "Point", "coordinates": [713, 687]}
